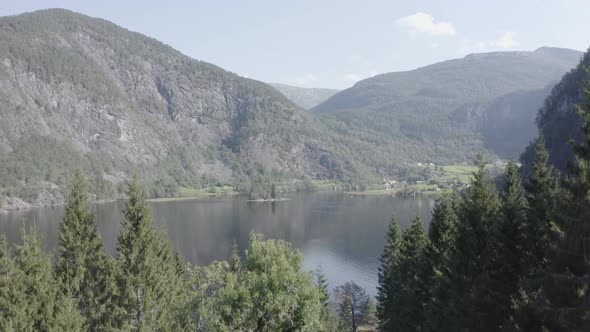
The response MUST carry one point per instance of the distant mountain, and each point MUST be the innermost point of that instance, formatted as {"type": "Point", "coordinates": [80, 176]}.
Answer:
{"type": "Point", "coordinates": [558, 119]}
{"type": "Point", "coordinates": [447, 112]}
{"type": "Point", "coordinates": [304, 97]}
{"type": "Point", "coordinates": [80, 92]}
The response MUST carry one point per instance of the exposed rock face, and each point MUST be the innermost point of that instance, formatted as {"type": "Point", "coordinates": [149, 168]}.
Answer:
{"type": "Point", "coordinates": [559, 121]}
{"type": "Point", "coordinates": [129, 99]}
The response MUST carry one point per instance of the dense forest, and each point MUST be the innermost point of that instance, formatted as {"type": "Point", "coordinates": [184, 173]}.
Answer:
{"type": "Point", "coordinates": [516, 259]}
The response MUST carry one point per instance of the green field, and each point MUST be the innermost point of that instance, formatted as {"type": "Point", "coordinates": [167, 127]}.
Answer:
{"type": "Point", "coordinates": [185, 193]}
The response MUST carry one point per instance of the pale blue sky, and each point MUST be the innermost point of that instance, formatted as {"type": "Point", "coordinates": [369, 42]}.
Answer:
{"type": "Point", "coordinates": [335, 43]}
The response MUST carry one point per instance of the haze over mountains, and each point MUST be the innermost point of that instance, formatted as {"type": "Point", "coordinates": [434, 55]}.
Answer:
{"type": "Point", "coordinates": [80, 92]}
{"type": "Point", "coordinates": [304, 97]}
{"type": "Point", "coordinates": [446, 111]}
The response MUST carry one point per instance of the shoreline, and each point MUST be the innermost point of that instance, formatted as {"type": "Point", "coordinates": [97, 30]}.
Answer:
{"type": "Point", "coordinates": [206, 195]}
{"type": "Point", "coordinates": [271, 200]}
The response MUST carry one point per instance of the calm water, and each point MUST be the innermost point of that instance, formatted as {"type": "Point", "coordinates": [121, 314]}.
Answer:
{"type": "Point", "coordinates": [341, 234]}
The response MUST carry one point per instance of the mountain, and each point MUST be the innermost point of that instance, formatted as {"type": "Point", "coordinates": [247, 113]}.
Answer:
{"type": "Point", "coordinates": [81, 92]}
{"type": "Point", "coordinates": [558, 119]}
{"type": "Point", "coordinates": [446, 112]}
{"type": "Point", "coordinates": [304, 97]}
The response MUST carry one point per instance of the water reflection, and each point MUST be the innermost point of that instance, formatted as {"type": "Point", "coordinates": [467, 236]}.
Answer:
{"type": "Point", "coordinates": [341, 234]}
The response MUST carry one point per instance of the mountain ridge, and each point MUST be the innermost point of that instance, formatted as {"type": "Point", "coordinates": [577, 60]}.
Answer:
{"type": "Point", "coordinates": [437, 113]}
{"type": "Point", "coordinates": [132, 104]}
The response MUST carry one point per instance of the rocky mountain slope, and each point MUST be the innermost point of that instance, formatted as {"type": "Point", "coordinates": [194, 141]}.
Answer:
{"type": "Point", "coordinates": [304, 97]}
{"type": "Point", "coordinates": [558, 120]}
{"type": "Point", "coordinates": [446, 112]}
{"type": "Point", "coordinates": [82, 92]}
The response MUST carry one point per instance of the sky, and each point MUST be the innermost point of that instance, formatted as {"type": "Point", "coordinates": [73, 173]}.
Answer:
{"type": "Point", "coordinates": [333, 44]}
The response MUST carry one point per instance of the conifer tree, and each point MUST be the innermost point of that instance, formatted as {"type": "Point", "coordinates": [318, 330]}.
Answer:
{"type": "Point", "coordinates": [388, 268]}
{"type": "Point", "coordinates": [328, 315]}
{"type": "Point", "coordinates": [441, 234]}
{"type": "Point", "coordinates": [152, 288]}
{"type": "Point", "coordinates": [542, 200]}
{"type": "Point", "coordinates": [567, 280]}
{"type": "Point", "coordinates": [507, 267]}
{"type": "Point", "coordinates": [13, 314]}
{"type": "Point", "coordinates": [412, 286]}
{"type": "Point", "coordinates": [83, 268]}
{"type": "Point", "coordinates": [556, 295]}
{"type": "Point", "coordinates": [530, 304]}
{"type": "Point", "coordinates": [46, 307]}
{"type": "Point", "coordinates": [473, 250]}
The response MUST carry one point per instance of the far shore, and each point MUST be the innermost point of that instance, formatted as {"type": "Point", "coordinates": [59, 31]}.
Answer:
{"type": "Point", "coordinates": [264, 200]}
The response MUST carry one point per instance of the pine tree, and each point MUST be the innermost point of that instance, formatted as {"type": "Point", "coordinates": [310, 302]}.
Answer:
{"type": "Point", "coordinates": [567, 280]}
{"type": "Point", "coordinates": [542, 235]}
{"type": "Point", "coordinates": [412, 283]}
{"type": "Point", "coordinates": [507, 267]}
{"type": "Point", "coordinates": [556, 295]}
{"type": "Point", "coordinates": [441, 234]}
{"type": "Point", "coordinates": [83, 268]}
{"type": "Point", "coordinates": [542, 199]}
{"type": "Point", "coordinates": [389, 262]}
{"type": "Point", "coordinates": [152, 288]}
{"type": "Point", "coordinates": [328, 315]}
{"type": "Point", "coordinates": [46, 308]}
{"type": "Point", "coordinates": [13, 302]}
{"type": "Point", "coordinates": [473, 251]}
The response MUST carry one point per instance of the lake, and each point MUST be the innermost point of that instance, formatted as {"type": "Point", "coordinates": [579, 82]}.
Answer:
{"type": "Point", "coordinates": [341, 234]}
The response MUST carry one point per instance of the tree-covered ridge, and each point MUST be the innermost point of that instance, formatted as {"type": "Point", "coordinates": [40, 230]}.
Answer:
{"type": "Point", "coordinates": [120, 102]}
{"type": "Point", "coordinates": [447, 111]}
{"type": "Point", "coordinates": [558, 120]}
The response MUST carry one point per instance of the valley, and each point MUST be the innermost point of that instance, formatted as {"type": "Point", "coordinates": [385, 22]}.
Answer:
{"type": "Point", "coordinates": [79, 92]}
{"type": "Point", "coordinates": [302, 166]}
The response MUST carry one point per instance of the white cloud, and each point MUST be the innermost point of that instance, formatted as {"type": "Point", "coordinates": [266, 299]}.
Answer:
{"type": "Point", "coordinates": [435, 45]}
{"type": "Point", "coordinates": [306, 79]}
{"type": "Point", "coordinates": [506, 40]}
{"type": "Point", "coordinates": [423, 22]}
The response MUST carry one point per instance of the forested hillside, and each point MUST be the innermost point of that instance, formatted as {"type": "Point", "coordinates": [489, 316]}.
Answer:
{"type": "Point", "coordinates": [80, 92]}
{"type": "Point", "coordinates": [558, 120]}
{"type": "Point", "coordinates": [514, 259]}
{"type": "Point", "coordinates": [447, 111]}
{"type": "Point", "coordinates": [304, 97]}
